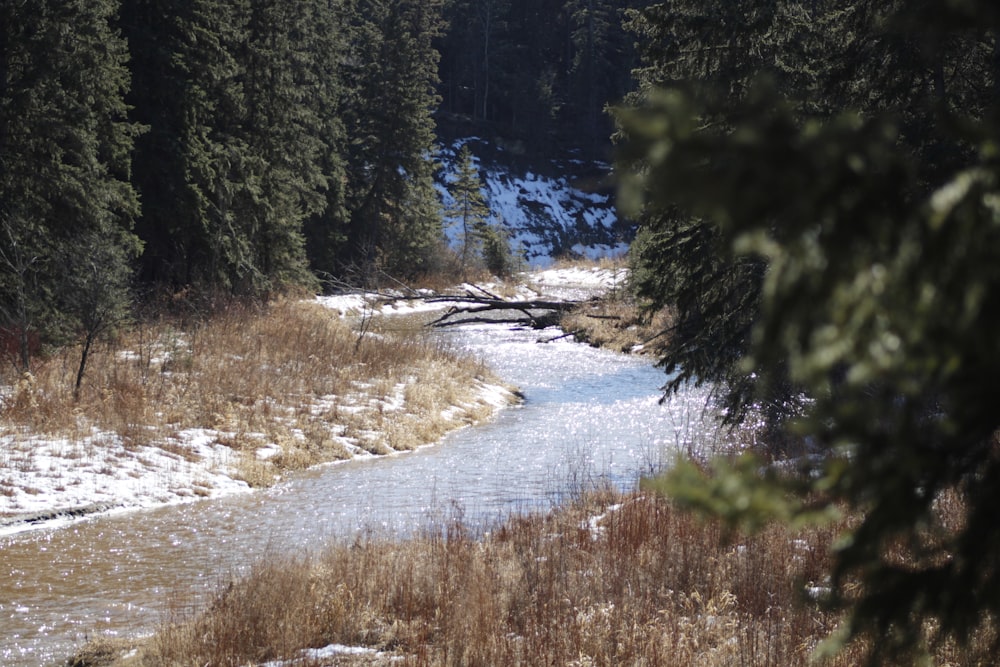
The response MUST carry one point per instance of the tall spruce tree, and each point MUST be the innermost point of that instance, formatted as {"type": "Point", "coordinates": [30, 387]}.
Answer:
{"type": "Point", "coordinates": [880, 302]}
{"type": "Point", "coordinates": [391, 74]}
{"type": "Point", "coordinates": [231, 167]}
{"type": "Point", "coordinates": [468, 211]}
{"type": "Point", "coordinates": [65, 144]}
{"type": "Point", "coordinates": [282, 132]}
{"type": "Point", "coordinates": [718, 51]}
{"type": "Point", "coordinates": [192, 164]}
{"type": "Point", "coordinates": [822, 57]}
{"type": "Point", "coordinates": [907, 68]}
{"type": "Point", "coordinates": [326, 229]}
{"type": "Point", "coordinates": [528, 69]}
{"type": "Point", "coordinates": [490, 18]}
{"type": "Point", "coordinates": [597, 76]}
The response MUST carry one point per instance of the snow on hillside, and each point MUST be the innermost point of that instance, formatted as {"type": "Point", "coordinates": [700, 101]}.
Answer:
{"type": "Point", "coordinates": [550, 209]}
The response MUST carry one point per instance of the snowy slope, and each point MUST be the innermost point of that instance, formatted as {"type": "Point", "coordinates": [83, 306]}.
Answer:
{"type": "Point", "coordinates": [551, 209]}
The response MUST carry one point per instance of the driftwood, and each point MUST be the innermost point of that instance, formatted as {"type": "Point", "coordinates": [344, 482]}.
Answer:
{"type": "Point", "coordinates": [486, 307]}
{"type": "Point", "coordinates": [480, 306]}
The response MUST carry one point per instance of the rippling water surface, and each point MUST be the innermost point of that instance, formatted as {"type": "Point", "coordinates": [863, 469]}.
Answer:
{"type": "Point", "coordinates": [588, 415]}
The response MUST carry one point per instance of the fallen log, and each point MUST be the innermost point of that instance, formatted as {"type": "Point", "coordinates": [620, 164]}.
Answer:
{"type": "Point", "coordinates": [536, 313]}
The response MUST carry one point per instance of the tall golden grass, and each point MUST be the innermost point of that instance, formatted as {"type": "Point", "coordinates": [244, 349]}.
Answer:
{"type": "Point", "coordinates": [607, 580]}
{"type": "Point", "coordinates": [604, 581]}
{"type": "Point", "coordinates": [617, 323]}
{"type": "Point", "coordinates": [289, 373]}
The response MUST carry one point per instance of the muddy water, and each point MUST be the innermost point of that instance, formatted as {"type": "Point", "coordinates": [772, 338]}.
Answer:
{"type": "Point", "coordinates": [589, 415]}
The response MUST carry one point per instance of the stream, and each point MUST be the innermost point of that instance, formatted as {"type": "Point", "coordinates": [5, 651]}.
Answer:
{"type": "Point", "coordinates": [590, 416]}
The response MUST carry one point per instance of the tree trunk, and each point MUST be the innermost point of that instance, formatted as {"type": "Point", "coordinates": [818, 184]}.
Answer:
{"type": "Point", "coordinates": [25, 348]}
{"type": "Point", "coordinates": [84, 355]}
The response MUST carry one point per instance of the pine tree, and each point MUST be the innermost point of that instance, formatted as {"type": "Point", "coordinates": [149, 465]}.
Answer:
{"type": "Point", "coordinates": [281, 130]}
{"type": "Point", "coordinates": [880, 301]}
{"type": "Point", "coordinates": [468, 211]}
{"type": "Point", "coordinates": [326, 229]}
{"type": "Point", "coordinates": [65, 144]}
{"type": "Point", "coordinates": [233, 164]}
{"type": "Point", "coordinates": [538, 71]}
{"type": "Point", "coordinates": [505, 63]}
{"type": "Point", "coordinates": [821, 57]}
{"type": "Point", "coordinates": [489, 17]}
{"type": "Point", "coordinates": [496, 251]}
{"type": "Point", "coordinates": [717, 48]}
{"type": "Point", "coordinates": [906, 68]}
{"type": "Point", "coordinates": [395, 216]}
{"type": "Point", "coordinates": [595, 77]}
{"type": "Point", "coordinates": [192, 164]}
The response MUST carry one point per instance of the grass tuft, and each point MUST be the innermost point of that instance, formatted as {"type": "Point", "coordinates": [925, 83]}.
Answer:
{"type": "Point", "coordinates": [616, 322]}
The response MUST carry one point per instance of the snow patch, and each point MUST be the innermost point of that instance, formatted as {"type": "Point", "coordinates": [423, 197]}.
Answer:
{"type": "Point", "coordinates": [325, 653]}
{"type": "Point", "coordinates": [48, 481]}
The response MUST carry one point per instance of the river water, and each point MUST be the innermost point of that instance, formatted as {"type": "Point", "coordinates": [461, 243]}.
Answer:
{"type": "Point", "coordinates": [589, 416]}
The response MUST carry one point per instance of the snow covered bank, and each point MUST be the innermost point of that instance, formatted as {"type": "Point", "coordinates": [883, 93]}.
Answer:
{"type": "Point", "coordinates": [48, 482]}
{"type": "Point", "coordinates": [52, 481]}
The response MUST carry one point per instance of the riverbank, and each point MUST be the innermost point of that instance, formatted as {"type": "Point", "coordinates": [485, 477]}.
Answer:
{"type": "Point", "coordinates": [606, 580]}
{"type": "Point", "coordinates": [603, 579]}
{"type": "Point", "coordinates": [176, 412]}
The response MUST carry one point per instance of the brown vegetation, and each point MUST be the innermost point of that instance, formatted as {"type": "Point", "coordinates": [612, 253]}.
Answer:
{"type": "Point", "coordinates": [616, 322]}
{"type": "Point", "coordinates": [289, 373]}
{"type": "Point", "coordinates": [606, 581]}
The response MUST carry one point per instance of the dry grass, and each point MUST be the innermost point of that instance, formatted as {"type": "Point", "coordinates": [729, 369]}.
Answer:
{"type": "Point", "coordinates": [289, 373]}
{"type": "Point", "coordinates": [106, 651]}
{"type": "Point", "coordinates": [615, 263]}
{"type": "Point", "coordinates": [606, 581]}
{"type": "Point", "coordinates": [616, 322]}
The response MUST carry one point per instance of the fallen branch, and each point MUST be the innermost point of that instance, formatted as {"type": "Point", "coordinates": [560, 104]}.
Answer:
{"type": "Point", "coordinates": [568, 334]}
{"type": "Point", "coordinates": [538, 313]}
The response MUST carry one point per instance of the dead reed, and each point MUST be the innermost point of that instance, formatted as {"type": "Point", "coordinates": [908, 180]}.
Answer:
{"type": "Point", "coordinates": [616, 322]}
{"type": "Point", "coordinates": [605, 581]}
{"type": "Point", "coordinates": [289, 374]}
